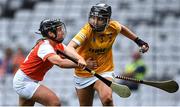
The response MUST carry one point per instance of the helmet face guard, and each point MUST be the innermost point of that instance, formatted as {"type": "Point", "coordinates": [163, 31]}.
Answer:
{"type": "Point", "coordinates": [53, 26]}
{"type": "Point", "coordinates": [99, 17]}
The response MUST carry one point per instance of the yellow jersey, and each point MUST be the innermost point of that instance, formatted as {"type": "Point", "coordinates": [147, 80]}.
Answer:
{"type": "Point", "coordinates": [97, 46]}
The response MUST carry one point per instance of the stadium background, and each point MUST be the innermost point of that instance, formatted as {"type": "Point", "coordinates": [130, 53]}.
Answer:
{"type": "Point", "coordinates": [155, 21]}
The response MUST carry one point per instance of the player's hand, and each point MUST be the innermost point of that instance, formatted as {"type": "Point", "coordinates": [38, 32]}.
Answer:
{"type": "Point", "coordinates": [82, 63]}
{"type": "Point", "coordinates": [91, 63]}
{"type": "Point", "coordinates": [144, 47]}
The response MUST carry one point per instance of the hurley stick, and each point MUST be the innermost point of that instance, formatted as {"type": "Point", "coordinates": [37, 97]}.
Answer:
{"type": "Point", "coordinates": [170, 86]}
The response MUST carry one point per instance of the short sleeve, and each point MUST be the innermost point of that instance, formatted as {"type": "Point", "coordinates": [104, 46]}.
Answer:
{"type": "Point", "coordinates": [80, 37]}
{"type": "Point", "coordinates": [116, 25]}
{"type": "Point", "coordinates": [45, 50]}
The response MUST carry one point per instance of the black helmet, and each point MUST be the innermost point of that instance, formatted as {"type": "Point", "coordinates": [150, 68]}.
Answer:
{"type": "Point", "coordinates": [51, 25]}
{"type": "Point", "coordinates": [102, 11]}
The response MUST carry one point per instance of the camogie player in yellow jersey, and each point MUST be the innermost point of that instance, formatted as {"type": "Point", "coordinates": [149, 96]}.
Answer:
{"type": "Point", "coordinates": [94, 43]}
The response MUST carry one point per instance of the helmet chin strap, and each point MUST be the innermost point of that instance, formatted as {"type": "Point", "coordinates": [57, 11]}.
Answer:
{"type": "Point", "coordinates": [54, 38]}
{"type": "Point", "coordinates": [57, 41]}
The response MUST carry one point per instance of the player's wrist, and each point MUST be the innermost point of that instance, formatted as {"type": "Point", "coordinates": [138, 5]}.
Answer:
{"type": "Point", "coordinates": [139, 42]}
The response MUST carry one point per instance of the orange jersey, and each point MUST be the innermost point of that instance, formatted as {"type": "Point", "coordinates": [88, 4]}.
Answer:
{"type": "Point", "coordinates": [36, 64]}
{"type": "Point", "coordinates": [97, 46]}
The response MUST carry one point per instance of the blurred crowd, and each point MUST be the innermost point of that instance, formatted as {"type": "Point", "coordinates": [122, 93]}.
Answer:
{"type": "Point", "coordinates": [136, 69]}
{"type": "Point", "coordinates": [10, 61]}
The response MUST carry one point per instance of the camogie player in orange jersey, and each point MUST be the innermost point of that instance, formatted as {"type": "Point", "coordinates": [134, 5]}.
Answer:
{"type": "Point", "coordinates": [41, 58]}
{"type": "Point", "coordinates": [94, 43]}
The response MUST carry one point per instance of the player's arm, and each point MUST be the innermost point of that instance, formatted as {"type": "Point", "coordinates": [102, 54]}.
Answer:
{"type": "Point", "coordinates": [63, 63]}
{"type": "Point", "coordinates": [77, 41]}
{"type": "Point", "coordinates": [79, 38]}
{"type": "Point", "coordinates": [72, 52]}
{"type": "Point", "coordinates": [47, 52]}
{"type": "Point", "coordinates": [129, 34]}
{"type": "Point", "coordinates": [91, 63]}
{"type": "Point", "coordinates": [72, 45]}
{"type": "Point", "coordinates": [66, 63]}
